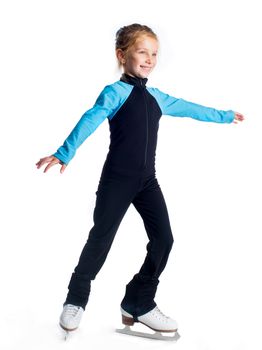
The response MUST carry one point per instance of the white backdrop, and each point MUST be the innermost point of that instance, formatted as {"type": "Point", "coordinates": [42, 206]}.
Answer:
{"type": "Point", "coordinates": [56, 56]}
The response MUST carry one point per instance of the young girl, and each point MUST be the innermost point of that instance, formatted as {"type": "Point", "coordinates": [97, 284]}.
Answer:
{"type": "Point", "coordinates": [128, 176]}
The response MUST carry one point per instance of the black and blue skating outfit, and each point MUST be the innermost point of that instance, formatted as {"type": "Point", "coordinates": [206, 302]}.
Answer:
{"type": "Point", "coordinates": [128, 176]}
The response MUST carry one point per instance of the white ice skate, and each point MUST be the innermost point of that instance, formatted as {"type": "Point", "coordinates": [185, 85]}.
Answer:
{"type": "Point", "coordinates": [70, 318]}
{"type": "Point", "coordinates": [153, 319]}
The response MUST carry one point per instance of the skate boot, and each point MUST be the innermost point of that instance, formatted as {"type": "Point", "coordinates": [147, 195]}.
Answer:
{"type": "Point", "coordinates": [71, 317]}
{"type": "Point", "coordinates": [153, 319]}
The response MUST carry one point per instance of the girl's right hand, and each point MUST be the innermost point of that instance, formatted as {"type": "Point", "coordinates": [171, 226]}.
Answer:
{"type": "Point", "coordinates": [50, 161]}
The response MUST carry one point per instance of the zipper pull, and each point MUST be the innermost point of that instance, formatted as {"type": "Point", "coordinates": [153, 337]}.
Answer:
{"type": "Point", "coordinates": [141, 83]}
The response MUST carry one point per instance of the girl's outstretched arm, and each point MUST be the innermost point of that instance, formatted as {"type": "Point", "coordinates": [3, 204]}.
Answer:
{"type": "Point", "coordinates": [50, 161]}
{"type": "Point", "coordinates": [238, 118]}
{"type": "Point", "coordinates": [178, 107]}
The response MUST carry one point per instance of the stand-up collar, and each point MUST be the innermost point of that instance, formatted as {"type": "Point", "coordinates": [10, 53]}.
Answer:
{"type": "Point", "coordinates": [133, 80]}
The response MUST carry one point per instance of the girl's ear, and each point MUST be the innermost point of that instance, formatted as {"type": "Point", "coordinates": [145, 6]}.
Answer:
{"type": "Point", "coordinates": [120, 56]}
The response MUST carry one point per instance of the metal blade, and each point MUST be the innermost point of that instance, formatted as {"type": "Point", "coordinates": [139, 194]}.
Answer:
{"type": "Point", "coordinates": [157, 335]}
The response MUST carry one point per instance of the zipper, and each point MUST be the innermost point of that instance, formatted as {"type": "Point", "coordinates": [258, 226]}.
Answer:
{"type": "Point", "coordinates": [144, 94]}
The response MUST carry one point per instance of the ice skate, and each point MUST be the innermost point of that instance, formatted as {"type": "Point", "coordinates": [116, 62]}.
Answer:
{"type": "Point", "coordinates": [154, 320]}
{"type": "Point", "coordinates": [70, 318]}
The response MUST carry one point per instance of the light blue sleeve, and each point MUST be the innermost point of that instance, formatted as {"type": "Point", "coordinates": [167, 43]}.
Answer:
{"type": "Point", "coordinates": [173, 106]}
{"type": "Point", "coordinates": [106, 105]}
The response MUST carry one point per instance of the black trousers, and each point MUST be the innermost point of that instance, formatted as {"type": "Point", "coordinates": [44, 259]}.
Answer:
{"type": "Point", "coordinates": [114, 195]}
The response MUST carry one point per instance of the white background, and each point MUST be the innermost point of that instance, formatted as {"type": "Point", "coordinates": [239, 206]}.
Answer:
{"type": "Point", "coordinates": [56, 56]}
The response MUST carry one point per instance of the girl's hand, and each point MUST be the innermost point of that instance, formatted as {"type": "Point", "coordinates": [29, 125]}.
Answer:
{"type": "Point", "coordinates": [238, 118]}
{"type": "Point", "coordinates": [50, 161]}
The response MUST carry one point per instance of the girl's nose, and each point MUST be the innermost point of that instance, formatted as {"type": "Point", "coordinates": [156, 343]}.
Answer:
{"type": "Point", "coordinates": [148, 59]}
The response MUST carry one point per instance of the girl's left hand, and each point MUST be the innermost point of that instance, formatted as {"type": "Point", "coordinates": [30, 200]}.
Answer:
{"type": "Point", "coordinates": [238, 118]}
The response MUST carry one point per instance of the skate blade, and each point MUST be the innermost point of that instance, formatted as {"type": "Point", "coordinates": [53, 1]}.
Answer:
{"type": "Point", "coordinates": [157, 335]}
{"type": "Point", "coordinates": [66, 333]}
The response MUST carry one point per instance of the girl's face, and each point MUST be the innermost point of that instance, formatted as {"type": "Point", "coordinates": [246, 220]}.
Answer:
{"type": "Point", "coordinates": [141, 58]}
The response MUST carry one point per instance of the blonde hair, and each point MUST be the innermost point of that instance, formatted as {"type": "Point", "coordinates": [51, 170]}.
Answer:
{"type": "Point", "coordinates": [128, 35]}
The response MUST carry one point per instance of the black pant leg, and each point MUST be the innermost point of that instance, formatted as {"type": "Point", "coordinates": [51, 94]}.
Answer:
{"type": "Point", "coordinates": [140, 291]}
{"type": "Point", "coordinates": [114, 195]}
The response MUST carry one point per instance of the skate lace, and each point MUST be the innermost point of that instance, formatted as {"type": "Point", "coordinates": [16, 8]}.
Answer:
{"type": "Point", "coordinates": [72, 310]}
{"type": "Point", "coordinates": [160, 314]}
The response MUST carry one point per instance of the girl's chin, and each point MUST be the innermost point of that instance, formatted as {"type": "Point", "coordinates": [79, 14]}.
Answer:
{"type": "Point", "coordinates": [143, 74]}
{"type": "Point", "coordinates": [140, 74]}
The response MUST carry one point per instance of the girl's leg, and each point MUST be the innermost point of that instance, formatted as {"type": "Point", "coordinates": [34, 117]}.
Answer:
{"type": "Point", "coordinates": [140, 291]}
{"type": "Point", "coordinates": [114, 196]}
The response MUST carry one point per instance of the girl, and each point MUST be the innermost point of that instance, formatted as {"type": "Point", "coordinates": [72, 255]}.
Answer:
{"type": "Point", "coordinates": [128, 176]}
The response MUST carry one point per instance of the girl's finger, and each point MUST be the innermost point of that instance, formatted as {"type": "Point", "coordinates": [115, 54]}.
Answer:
{"type": "Point", "coordinates": [239, 116]}
{"type": "Point", "coordinates": [63, 167]}
{"type": "Point", "coordinates": [39, 163]}
{"type": "Point", "coordinates": [42, 161]}
{"type": "Point", "coordinates": [52, 163]}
